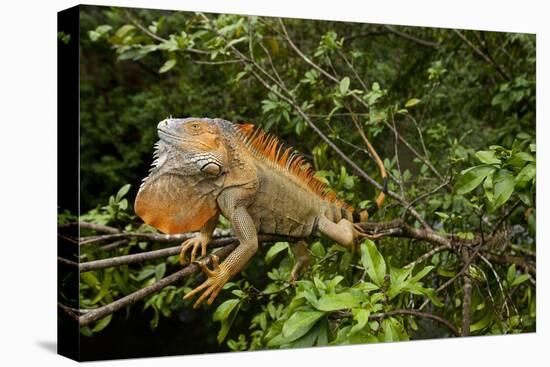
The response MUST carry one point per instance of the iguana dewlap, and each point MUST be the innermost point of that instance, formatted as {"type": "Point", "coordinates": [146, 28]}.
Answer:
{"type": "Point", "coordinates": [205, 167]}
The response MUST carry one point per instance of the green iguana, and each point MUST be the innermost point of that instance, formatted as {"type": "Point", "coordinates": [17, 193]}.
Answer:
{"type": "Point", "coordinates": [205, 167]}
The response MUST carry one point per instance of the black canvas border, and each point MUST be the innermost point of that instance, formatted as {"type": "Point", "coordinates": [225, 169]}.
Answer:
{"type": "Point", "coordinates": [68, 157]}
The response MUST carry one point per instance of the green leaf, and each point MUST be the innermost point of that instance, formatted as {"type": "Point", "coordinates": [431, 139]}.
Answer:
{"type": "Point", "coordinates": [511, 273]}
{"type": "Point", "coordinates": [98, 32]}
{"type": "Point", "coordinates": [86, 331]}
{"type": "Point", "coordinates": [105, 285]}
{"type": "Point", "coordinates": [373, 262]}
{"type": "Point", "coordinates": [102, 323]}
{"type": "Point", "coordinates": [398, 281]}
{"type": "Point", "coordinates": [90, 279]}
{"type": "Point", "coordinates": [274, 250]}
{"type": "Point", "coordinates": [123, 191]}
{"type": "Point", "coordinates": [235, 41]}
{"type": "Point", "coordinates": [331, 284]}
{"type": "Point", "coordinates": [422, 273]}
{"type": "Point", "coordinates": [169, 64]}
{"type": "Point", "coordinates": [344, 85]}
{"type": "Point", "coordinates": [504, 187]}
{"type": "Point", "coordinates": [160, 269]}
{"type": "Point", "coordinates": [319, 284]}
{"type": "Point", "coordinates": [366, 286]}
{"type": "Point", "coordinates": [223, 310]}
{"type": "Point", "coordinates": [526, 197]}
{"type": "Point", "coordinates": [487, 157]}
{"type": "Point", "coordinates": [522, 278]}
{"type": "Point", "coordinates": [526, 174]}
{"type": "Point", "coordinates": [332, 302]}
{"type": "Point", "coordinates": [519, 159]}
{"type": "Point", "coordinates": [360, 315]}
{"type": "Point", "coordinates": [412, 102]}
{"type": "Point", "coordinates": [146, 272]}
{"type": "Point", "coordinates": [389, 332]}
{"type": "Point", "coordinates": [317, 249]}
{"type": "Point", "coordinates": [124, 30]}
{"type": "Point", "coordinates": [430, 293]}
{"type": "Point", "coordinates": [398, 330]}
{"type": "Point", "coordinates": [299, 324]}
{"type": "Point", "coordinates": [472, 178]}
{"type": "Point", "coordinates": [226, 323]}
{"type": "Point", "coordinates": [66, 38]}
{"type": "Point", "coordinates": [482, 324]}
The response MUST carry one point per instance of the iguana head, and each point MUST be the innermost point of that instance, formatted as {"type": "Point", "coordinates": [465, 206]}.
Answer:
{"type": "Point", "coordinates": [196, 143]}
{"type": "Point", "coordinates": [179, 195]}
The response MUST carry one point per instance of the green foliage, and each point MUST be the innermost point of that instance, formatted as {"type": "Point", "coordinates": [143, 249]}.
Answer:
{"type": "Point", "coordinates": [472, 171]}
{"type": "Point", "coordinates": [503, 172]}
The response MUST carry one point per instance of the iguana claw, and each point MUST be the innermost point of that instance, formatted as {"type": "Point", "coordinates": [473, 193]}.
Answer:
{"type": "Point", "coordinates": [217, 277]}
{"type": "Point", "coordinates": [194, 242]}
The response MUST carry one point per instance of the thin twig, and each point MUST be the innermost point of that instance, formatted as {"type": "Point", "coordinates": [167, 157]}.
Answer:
{"type": "Point", "coordinates": [221, 62]}
{"type": "Point", "coordinates": [417, 126]}
{"type": "Point", "coordinates": [429, 254]}
{"type": "Point", "coordinates": [355, 73]}
{"type": "Point", "coordinates": [505, 296]}
{"type": "Point", "coordinates": [396, 152]}
{"type": "Point", "coordinates": [412, 38]}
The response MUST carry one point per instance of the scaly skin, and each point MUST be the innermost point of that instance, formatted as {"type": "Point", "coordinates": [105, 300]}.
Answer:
{"type": "Point", "coordinates": [210, 166]}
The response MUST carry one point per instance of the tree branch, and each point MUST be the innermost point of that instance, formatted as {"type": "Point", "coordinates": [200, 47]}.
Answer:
{"type": "Point", "coordinates": [98, 313]}
{"type": "Point", "coordinates": [162, 253]}
{"type": "Point", "coordinates": [157, 237]}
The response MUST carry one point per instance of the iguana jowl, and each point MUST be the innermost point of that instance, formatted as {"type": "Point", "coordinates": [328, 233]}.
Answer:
{"type": "Point", "coordinates": [205, 167]}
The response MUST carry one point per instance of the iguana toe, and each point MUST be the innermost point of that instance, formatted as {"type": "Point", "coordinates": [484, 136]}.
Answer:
{"type": "Point", "coordinates": [217, 277]}
{"type": "Point", "coordinates": [193, 243]}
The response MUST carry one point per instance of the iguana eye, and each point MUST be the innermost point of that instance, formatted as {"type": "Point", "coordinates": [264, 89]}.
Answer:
{"type": "Point", "coordinates": [194, 128]}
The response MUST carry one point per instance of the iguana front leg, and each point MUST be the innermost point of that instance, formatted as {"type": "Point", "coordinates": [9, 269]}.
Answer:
{"type": "Point", "coordinates": [234, 207]}
{"type": "Point", "coordinates": [202, 240]}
